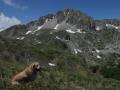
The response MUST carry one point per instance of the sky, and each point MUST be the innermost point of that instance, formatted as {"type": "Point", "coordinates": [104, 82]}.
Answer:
{"type": "Point", "coordinates": [23, 11]}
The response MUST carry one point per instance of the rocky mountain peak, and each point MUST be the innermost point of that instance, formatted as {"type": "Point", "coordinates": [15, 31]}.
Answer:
{"type": "Point", "coordinates": [64, 19]}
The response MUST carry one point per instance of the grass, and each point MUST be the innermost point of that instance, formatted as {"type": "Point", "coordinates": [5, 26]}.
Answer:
{"type": "Point", "coordinates": [71, 72]}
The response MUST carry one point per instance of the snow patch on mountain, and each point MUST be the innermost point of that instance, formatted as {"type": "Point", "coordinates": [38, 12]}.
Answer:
{"type": "Point", "coordinates": [98, 51]}
{"type": "Point", "coordinates": [28, 32]}
{"type": "Point", "coordinates": [39, 27]}
{"type": "Point", "coordinates": [77, 50]}
{"type": "Point", "coordinates": [98, 28]}
{"type": "Point", "coordinates": [63, 25]}
{"type": "Point", "coordinates": [20, 38]}
{"type": "Point", "coordinates": [110, 26]}
{"type": "Point", "coordinates": [56, 27]}
{"type": "Point", "coordinates": [52, 64]}
{"type": "Point", "coordinates": [98, 56]}
{"type": "Point", "coordinates": [70, 31]}
{"type": "Point", "coordinates": [80, 31]}
{"type": "Point", "coordinates": [58, 38]}
{"type": "Point", "coordinates": [73, 31]}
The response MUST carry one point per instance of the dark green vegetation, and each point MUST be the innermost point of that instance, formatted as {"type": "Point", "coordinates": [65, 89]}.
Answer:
{"type": "Point", "coordinates": [71, 72]}
{"type": "Point", "coordinates": [111, 69]}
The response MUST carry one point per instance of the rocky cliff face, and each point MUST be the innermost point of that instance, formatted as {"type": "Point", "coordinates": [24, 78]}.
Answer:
{"type": "Point", "coordinates": [66, 19]}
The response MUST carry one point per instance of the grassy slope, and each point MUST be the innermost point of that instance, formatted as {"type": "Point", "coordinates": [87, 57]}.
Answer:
{"type": "Point", "coordinates": [71, 72]}
{"type": "Point", "coordinates": [68, 75]}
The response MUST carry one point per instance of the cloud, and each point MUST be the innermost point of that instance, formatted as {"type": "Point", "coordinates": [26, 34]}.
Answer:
{"type": "Point", "coordinates": [13, 4]}
{"type": "Point", "coordinates": [6, 22]}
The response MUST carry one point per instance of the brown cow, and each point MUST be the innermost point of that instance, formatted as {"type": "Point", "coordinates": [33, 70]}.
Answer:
{"type": "Point", "coordinates": [27, 74]}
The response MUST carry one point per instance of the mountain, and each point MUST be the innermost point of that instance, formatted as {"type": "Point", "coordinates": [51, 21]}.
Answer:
{"type": "Point", "coordinates": [108, 24]}
{"type": "Point", "coordinates": [66, 19]}
{"type": "Point", "coordinates": [86, 51]}
{"type": "Point", "coordinates": [62, 20]}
